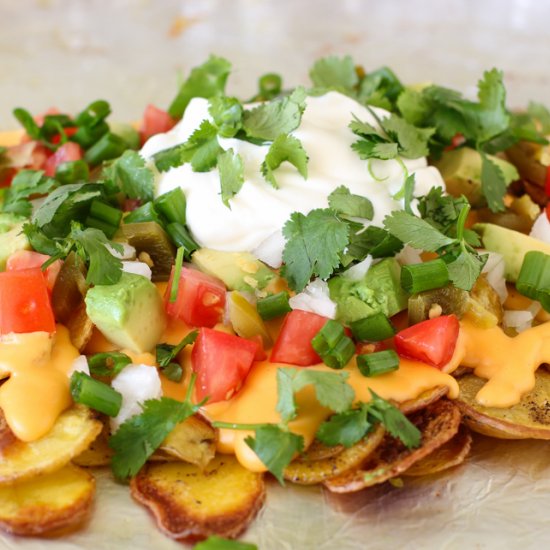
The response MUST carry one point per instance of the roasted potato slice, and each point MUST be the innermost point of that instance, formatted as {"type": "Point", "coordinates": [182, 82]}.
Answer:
{"type": "Point", "coordinates": [98, 453]}
{"type": "Point", "coordinates": [7, 437]}
{"type": "Point", "coordinates": [451, 454]}
{"type": "Point", "coordinates": [423, 400]}
{"type": "Point", "coordinates": [306, 471]}
{"type": "Point", "coordinates": [190, 503]}
{"type": "Point", "coordinates": [47, 503]}
{"type": "Point", "coordinates": [73, 431]}
{"type": "Point", "coordinates": [529, 419]}
{"type": "Point", "coordinates": [193, 441]}
{"type": "Point", "coordinates": [438, 423]}
{"type": "Point", "coordinates": [320, 451]}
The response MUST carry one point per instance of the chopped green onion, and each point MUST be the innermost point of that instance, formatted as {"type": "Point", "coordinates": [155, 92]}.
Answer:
{"type": "Point", "coordinates": [176, 278]}
{"type": "Point", "coordinates": [273, 306]}
{"type": "Point", "coordinates": [181, 238]}
{"type": "Point", "coordinates": [109, 146]}
{"type": "Point", "coordinates": [86, 136]}
{"type": "Point", "coordinates": [333, 346]}
{"type": "Point", "coordinates": [270, 85]}
{"type": "Point", "coordinates": [375, 328]}
{"type": "Point", "coordinates": [108, 229]}
{"type": "Point", "coordinates": [73, 171]}
{"type": "Point", "coordinates": [375, 364]}
{"type": "Point", "coordinates": [145, 213]}
{"type": "Point", "coordinates": [108, 214]}
{"type": "Point", "coordinates": [95, 394]}
{"type": "Point", "coordinates": [417, 278]}
{"type": "Point", "coordinates": [534, 278]}
{"type": "Point", "coordinates": [172, 206]}
{"type": "Point", "coordinates": [108, 364]}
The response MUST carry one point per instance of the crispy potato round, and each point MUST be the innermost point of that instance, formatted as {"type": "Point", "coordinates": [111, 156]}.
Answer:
{"type": "Point", "coordinates": [191, 503]}
{"type": "Point", "coordinates": [7, 437]}
{"type": "Point", "coordinates": [529, 419]}
{"type": "Point", "coordinates": [438, 423]}
{"type": "Point", "coordinates": [306, 471]}
{"type": "Point", "coordinates": [451, 454]}
{"type": "Point", "coordinates": [47, 503]}
{"type": "Point", "coordinates": [423, 400]}
{"type": "Point", "coordinates": [98, 453]}
{"type": "Point", "coordinates": [73, 431]}
{"type": "Point", "coordinates": [192, 440]}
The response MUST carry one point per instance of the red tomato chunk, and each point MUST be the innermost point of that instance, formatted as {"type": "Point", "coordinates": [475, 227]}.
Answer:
{"type": "Point", "coordinates": [293, 345]}
{"type": "Point", "coordinates": [155, 121]}
{"type": "Point", "coordinates": [25, 259]}
{"type": "Point", "coordinates": [67, 152]}
{"type": "Point", "coordinates": [432, 341]}
{"type": "Point", "coordinates": [222, 362]}
{"type": "Point", "coordinates": [24, 302]}
{"type": "Point", "coordinates": [200, 301]}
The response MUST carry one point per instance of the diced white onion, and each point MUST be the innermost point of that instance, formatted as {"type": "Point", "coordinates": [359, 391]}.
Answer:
{"type": "Point", "coordinates": [518, 319]}
{"type": "Point", "coordinates": [409, 256]}
{"type": "Point", "coordinates": [494, 268]}
{"type": "Point", "coordinates": [128, 251]}
{"type": "Point", "coordinates": [541, 228]}
{"type": "Point", "coordinates": [138, 268]}
{"type": "Point", "coordinates": [358, 271]}
{"type": "Point", "coordinates": [270, 250]}
{"type": "Point", "coordinates": [80, 364]}
{"type": "Point", "coordinates": [316, 299]}
{"type": "Point", "coordinates": [137, 384]}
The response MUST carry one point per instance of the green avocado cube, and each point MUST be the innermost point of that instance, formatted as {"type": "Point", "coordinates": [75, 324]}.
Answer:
{"type": "Point", "coordinates": [130, 313]}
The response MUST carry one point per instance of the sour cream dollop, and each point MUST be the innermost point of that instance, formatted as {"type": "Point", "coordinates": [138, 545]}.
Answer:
{"type": "Point", "coordinates": [259, 211]}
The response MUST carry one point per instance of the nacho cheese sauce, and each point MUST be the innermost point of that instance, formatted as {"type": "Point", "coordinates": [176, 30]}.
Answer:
{"type": "Point", "coordinates": [259, 210]}
{"type": "Point", "coordinates": [37, 390]}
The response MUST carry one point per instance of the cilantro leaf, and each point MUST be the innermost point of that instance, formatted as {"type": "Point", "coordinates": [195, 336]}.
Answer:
{"type": "Point", "coordinates": [231, 169]}
{"type": "Point", "coordinates": [395, 422]}
{"type": "Point", "coordinates": [335, 73]}
{"type": "Point", "coordinates": [346, 428]}
{"type": "Point", "coordinates": [130, 174]}
{"type": "Point", "coordinates": [276, 448]}
{"type": "Point", "coordinates": [285, 148]}
{"type": "Point", "coordinates": [206, 80]}
{"type": "Point", "coordinates": [91, 245]}
{"type": "Point", "coordinates": [108, 364]}
{"type": "Point", "coordinates": [416, 232]}
{"type": "Point", "coordinates": [464, 268]}
{"type": "Point", "coordinates": [166, 354]}
{"type": "Point", "coordinates": [370, 149]}
{"type": "Point", "coordinates": [493, 184]}
{"type": "Point", "coordinates": [345, 203]}
{"type": "Point", "coordinates": [441, 210]}
{"type": "Point", "coordinates": [380, 88]}
{"type": "Point", "coordinates": [413, 141]}
{"type": "Point", "coordinates": [227, 113]}
{"type": "Point", "coordinates": [218, 543]}
{"type": "Point", "coordinates": [493, 117]}
{"type": "Point", "coordinates": [25, 184]}
{"type": "Point", "coordinates": [314, 244]}
{"type": "Point", "coordinates": [376, 241]}
{"type": "Point", "coordinates": [138, 438]}
{"type": "Point", "coordinates": [331, 389]}
{"type": "Point", "coordinates": [541, 114]}
{"type": "Point", "coordinates": [280, 116]}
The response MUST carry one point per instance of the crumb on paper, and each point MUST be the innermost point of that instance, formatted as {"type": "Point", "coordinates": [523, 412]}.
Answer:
{"type": "Point", "coordinates": [180, 24]}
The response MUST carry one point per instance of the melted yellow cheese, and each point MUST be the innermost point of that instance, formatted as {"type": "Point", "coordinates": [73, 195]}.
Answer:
{"type": "Point", "coordinates": [37, 390]}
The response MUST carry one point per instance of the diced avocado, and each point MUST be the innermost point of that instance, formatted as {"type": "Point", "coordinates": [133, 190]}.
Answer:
{"type": "Point", "coordinates": [379, 291]}
{"type": "Point", "coordinates": [129, 313]}
{"type": "Point", "coordinates": [461, 170]}
{"type": "Point", "coordinates": [238, 270]}
{"type": "Point", "coordinates": [12, 237]}
{"type": "Point", "coordinates": [512, 245]}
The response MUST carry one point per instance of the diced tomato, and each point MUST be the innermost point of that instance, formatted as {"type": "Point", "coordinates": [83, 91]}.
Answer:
{"type": "Point", "coordinates": [130, 205]}
{"type": "Point", "coordinates": [457, 140]}
{"type": "Point", "coordinates": [7, 177]}
{"type": "Point", "coordinates": [24, 302]}
{"type": "Point", "coordinates": [200, 301]}
{"type": "Point", "coordinates": [293, 344]}
{"type": "Point", "coordinates": [155, 121]}
{"type": "Point", "coordinates": [432, 341]}
{"type": "Point", "coordinates": [70, 131]}
{"type": "Point", "coordinates": [222, 362]}
{"type": "Point", "coordinates": [261, 354]}
{"type": "Point", "coordinates": [25, 259]}
{"type": "Point", "coordinates": [547, 182]}
{"type": "Point", "coordinates": [547, 210]}
{"type": "Point", "coordinates": [66, 153]}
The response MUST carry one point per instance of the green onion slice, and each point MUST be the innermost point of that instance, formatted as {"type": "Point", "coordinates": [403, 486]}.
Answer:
{"type": "Point", "coordinates": [95, 394]}
{"type": "Point", "coordinates": [375, 364]}
{"type": "Point", "coordinates": [273, 306]}
{"type": "Point", "coordinates": [333, 346]}
{"type": "Point", "coordinates": [374, 328]}
{"type": "Point", "coordinates": [417, 278]}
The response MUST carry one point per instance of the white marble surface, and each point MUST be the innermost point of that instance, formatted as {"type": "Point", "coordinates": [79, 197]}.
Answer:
{"type": "Point", "coordinates": [69, 52]}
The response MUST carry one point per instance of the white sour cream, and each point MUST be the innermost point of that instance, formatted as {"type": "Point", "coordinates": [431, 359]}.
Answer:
{"type": "Point", "coordinates": [258, 210]}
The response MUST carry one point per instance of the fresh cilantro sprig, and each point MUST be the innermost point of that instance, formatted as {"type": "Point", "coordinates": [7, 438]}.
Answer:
{"type": "Point", "coordinates": [166, 354]}
{"type": "Point", "coordinates": [350, 426]}
{"type": "Point", "coordinates": [138, 438]}
{"type": "Point", "coordinates": [275, 444]}
{"type": "Point", "coordinates": [129, 175]}
{"type": "Point", "coordinates": [25, 184]}
{"type": "Point", "coordinates": [463, 262]}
